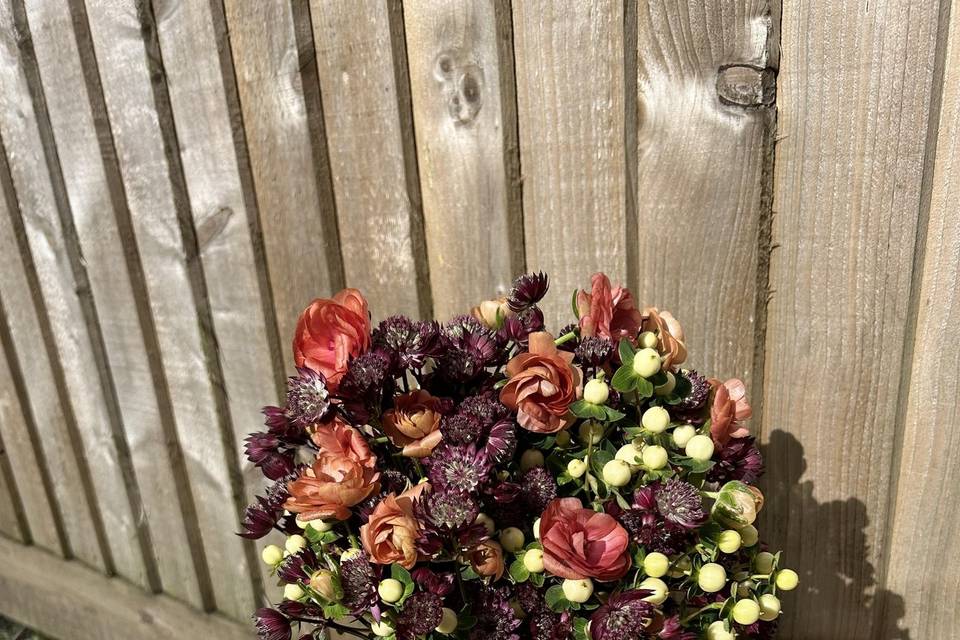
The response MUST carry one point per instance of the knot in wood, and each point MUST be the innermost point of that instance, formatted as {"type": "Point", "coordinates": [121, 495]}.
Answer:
{"type": "Point", "coordinates": [461, 82]}
{"type": "Point", "coordinates": [747, 86]}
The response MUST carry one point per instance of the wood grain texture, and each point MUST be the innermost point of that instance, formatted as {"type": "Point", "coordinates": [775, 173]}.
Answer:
{"type": "Point", "coordinates": [701, 173]}
{"type": "Point", "coordinates": [72, 323]}
{"type": "Point", "coordinates": [11, 511]}
{"type": "Point", "coordinates": [296, 212]}
{"type": "Point", "coordinates": [854, 97]}
{"type": "Point", "coordinates": [100, 242]}
{"type": "Point", "coordinates": [474, 230]}
{"type": "Point", "coordinates": [924, 544]}
{"type": "Point", "coordinates": [154, 190]}
{"type": "Point", "coordinates": [89, 606]}
{"type": "Point", "coordinates": [381, 225]}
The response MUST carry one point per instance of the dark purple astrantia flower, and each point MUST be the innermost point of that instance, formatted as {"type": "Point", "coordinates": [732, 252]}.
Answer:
{"type": "Point", "coordinates": [547, 625]}
{"type": "Point", "coordinates": [519, 326]}
{"type": "Point", "coordinates": [496, 619]}
{"type": "Point", "coordinates": [429, 580]}
{"type": "Point", "coordinates": [364, 377]}
{"type": "Point", "coordinates": [359, 581]}
{"type": "Point", "coordinates": [409, 343]}
{"type": "Point", "coordinates": [594, 351]}
{"type": "Point", "coordinates": [691, 408]}
{"type": "Point", "coordinates": [537, 488]}
{"type": "Point", "coordinates": [484, 407]}
{"type": "Point", "coordinates": [308, 400]}
{"type": "Point", "coordinates": [266, 512]}
{"type": "Point", "coordinates": [673, 630]}
{"type": "Point", "coordinates": [461, 428]}
{"type": "Point", "coordinates": [298, 567]}
{"type": "Point", "coordinates": [271, 624]}
{"type": "Point", "coordinates": [469, 347]}
{"type": "Point", "coordinates": [648, 523]}
{"type": "Point", "coordinates": [462, 468]}
{"type": "Point", "coordinates": [738, 460]}
{"type": "Point", "coordinates": [625, 616]}
{"type": "Point", "coordinates": [271, 454]}
{"type": "Point", "coordinates": [527, 291]}
{"type": "Point", "coordinates": [501, 441]}
{"type": "Point", "coordinates": [421, 614]}
{"type": "Point", "coordinates": [680, 503]}
{"type": "Point", "coordinates": [448, 517]}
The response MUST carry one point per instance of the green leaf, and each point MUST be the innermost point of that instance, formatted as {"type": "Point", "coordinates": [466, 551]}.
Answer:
{"type": "Point", "coordinates": [626, 351]}
{"type": "Point", "coordinates": [598, 459]}
{"type": "Point", "coordinates": [537, 579]}
{"type": "Point", "coordinates": [624, 380]}
{"type": "Point", "coordinates": [518, 571]}
{"type": "Point", "coordinates": [579, 629]}
{"type": "Point", "coordinates": [692, 465]}
{"type": "Point", "coordinates": [334, 611]}
{"type": "Point", "coordinates": [659, 378]}
{"type": "Point", "coordinates": [399, 573]}
{"type": "Point", "coordinates": [644, 387]}
{"type": "Point", "coordinates": [573, 304]}
{"type": "Point", "coordinates": [613, 415]}
{"type": "Point", "coordinates": [555, 598]}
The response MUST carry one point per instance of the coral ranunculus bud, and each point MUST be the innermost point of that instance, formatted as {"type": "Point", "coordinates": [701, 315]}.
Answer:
{"type": "Point", "coordinates": [746, 612]}
{"type": "Point", "coordinates": [596, 392]}
{"type": "Point", "coordinates": [272, 555]}
{"type": "Point", "coordinates": [616, 473]}
{"type": "Point", "coordinates": [656, 564]}
{"type": "Point", "coordinates": [655, 419]}
{"type": "Point", "coordinates": [533, 561]}
{"type": "Point", "coordinates": [699, 447]}
{"type": "Point", "coordinates": [646, 363]}
{"type": "Point", "coordinates": [769, 607]}
{"type": "Point", "coordinates": [658, 587]}
{"type": "Point", "coordinates": [576, 468]}
{"type": "Point", "coordinates": [390, 590]}
{"type": "Point", "coordinates": [654, 457]}
{"type": "Point", "coordinates": [448, 623]}
{"type": "Point", "coordinates": [712, 577]}
{"type": "Point", "coordinates": [737, 505]}
{"type": "Point", "coordinates": [787, 580]}
{"type": "Point", "coordinates": [578, 591]}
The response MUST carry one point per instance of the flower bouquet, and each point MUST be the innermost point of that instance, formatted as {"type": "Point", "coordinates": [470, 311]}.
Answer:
{"type": "Point", "coordinates": [484, 479]}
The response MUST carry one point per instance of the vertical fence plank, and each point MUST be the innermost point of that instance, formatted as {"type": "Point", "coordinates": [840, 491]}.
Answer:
{"type": "Point", "coordinates": [924, 545]}
{"type": "Point", "coordinates": [11, 523]}
{"type": "Point", "coordinates": [381, 226]}
{"type": "Point", "coordinates": [570, 91]}
{"type": "Point", "coordinates": [471, 209]}
{"type": "Point", "coordinates": [73, 323]}
{"type": "Point", "coordinates": [854, 96]}
{"type": "Point", "coordinates": [703, 170]}
{"type": "Point", "coordinates": [174, 278]}
{"type": "Point", "coordinates": [296, 209]}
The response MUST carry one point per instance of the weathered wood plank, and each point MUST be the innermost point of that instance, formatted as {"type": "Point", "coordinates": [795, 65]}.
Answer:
{"type": "Point", "coordinates": [91, 197]}
{"type": "Point", "coordinates": [10, 508]}
{"type": "Point", "coordinates": [81, 604]}
{"type": "Point", "coordinates": [703, 167]}
{"type": "Point", "coordinates": [381, 234]}
{"type": "Point", "coordinates": [853, 100]}
{"type": "Point", "coordinates": [924, 547]}
{"type": "Point", "coordinates": [73, 324]}
{"type": "Point", "coordinates": [471, 209]}
{"type": "Point", "coordinates": [296, 208]}
{"type": "Point", "coordinates": [160, 217]}
{"type": "Point", "coordinates": [570, 91]}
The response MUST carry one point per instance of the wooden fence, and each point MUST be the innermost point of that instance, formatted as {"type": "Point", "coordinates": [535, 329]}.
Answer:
{"type": "Point", "coordinates": [180, 177]}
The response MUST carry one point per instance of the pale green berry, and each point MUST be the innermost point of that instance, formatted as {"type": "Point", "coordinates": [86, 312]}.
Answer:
{"type": "Point", "coordinates": [647, 340]}
{"type": "Point", "coordinates": [576, 468]}
{"type": "Point", "coordinates": [655, 419]}
{"type": "Point", "coordinates": [769, 607]}
{"type": "Point", "coordinates": [787, 580]}
{"type": "Point", "coordinates": [659, 589]}
{"type": "Point", "coordinates": [487, 523]}
{"type": "Point", "coordinates": [590, 432]}
{"type": "Point", "coordinates": [656, 564]}
{"type": "Point", "coordinates": [646, 362]}
{"type": "Point", "coordinates": [718, 631]}
{"type": "Point", "coordinates": [293, 592]}
{"type": "Point", "coordinates": [699, 447]}
{"type": "Point", "coordinates": [654, 457]}
{"type": "Point", "coordinates": [536, 528]}
{"type": "Point", "coordinates": [448, 623]}
{"type": "Point", "coordinates": [531, 458]}
{"type": "Point", "coordinates": [712, 577]}
{"type": "Point", "coordinates": [295, 544]}
{"type": "Point", "coordinates": [390, 590]}
{"type": "Point", "coordinates": [629, 453]}
{"type": "Point", "coordinates": [533, 561]}
{"type": "Point", "coordinates": [746, 611]}
{"type": "Point", "coordinates": [511, 539]}
{"type": "Point", "coordinates": [616, 473]}
{"type": "Point", "coordinates": [596, 392]}
{"type": "Point", "coordinates": [682, 435]}
{"type": "Point", "coordinates": [667, 387]}
{"type": "Point", "coordinates": [763, 563]}
{"type": "Point", "coordinates": [563, 439]}
{"type": "Point", "coordinates": [578, 591]}
{"type": "Point", "coordinates": [750, 535]}
{"type": "Point", "coordinates": [272, 555]}
{"type": "Point", "coordinates": [350, 554]}
{"type": "Point", "coordinates": [729, 541]}
{"type": "Point", "coordinates": [382, 629]}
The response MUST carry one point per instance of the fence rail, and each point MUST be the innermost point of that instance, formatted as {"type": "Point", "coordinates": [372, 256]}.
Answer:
{"type": "Point", "coordinates": [178, 179]}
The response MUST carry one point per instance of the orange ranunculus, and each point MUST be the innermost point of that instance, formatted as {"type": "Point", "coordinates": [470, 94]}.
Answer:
{"type": "Point", "coordinates": [492, 312]}
{"type": "Point", "coordinates": [487, 559]}
{"type": "Point", "coordinates": [390, 534]}
{"type": "Point", "coordinates": [339, 439]}
{"type": "Point", "coordinates": [414, 423]}
{"type": "Point", "coordinates": [543, 384]}
{"type": "Point", "coordinates": [670, 334]}
{"type": "Point", "coordinates": [729, 408]}
{"type": "Point", "coordinates": [581, 543]}
{"type": "Point", "coordinates": [330, 332]}
{"type": "Point", "coordinates": [607, 311]}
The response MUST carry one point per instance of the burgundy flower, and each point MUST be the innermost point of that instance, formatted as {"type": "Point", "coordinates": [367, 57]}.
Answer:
{"type": "Point", "coordinates": [527, 291]}
{"type": "Point", "coordinates": [485, 407]}
{"type": "Point", "coordinates": [461, 428]}
{"type": "Point", "coordinates": [529, 597]}
{"type": "Point", "coordinates": [308, 400]}
{"type": "Point", "coordinates": [359, 581]}
{"type": "Point", "coordinates": [673, 630]}
{"type": "Point", "coordinates": [496, 619]}
{"type": "Point", "coordinates": [298, 567]}
{"type": "Point", "coordinates": [594, 351]}
{"type": "Point", "coordinates": [501, 441]}
{"type": "Point", "coordinates": [625, 616]}
{"type": "Point", "coordinates": [364, 378]}
{"type": "Point", "coordinates": [262, 516]}
{"type": "Point", "coordinates": [680, 503]}
{"type": "Point", "coordinates": [537, 488]}
{"type": "Point", "coordinates": [429, 580]}
{"type": "Point", "coordinates": [739, 460]}
{"type": "Point", "coordinates": [547, 625]}
{"type": "Point", "coordinates": [408, 343]}
{"type": "Point", "coordinates": [519, 326]}
{"type": "Point", "coordinates": [691, 408]}
{"type": "Point", "coordinates": [649, 526]}
{"type": "Point", "coordinates": [270, 454]}
{"type": "Point", "coordinates": [421, 614]}
{"type": "Point", "coordinates": [461, 468]}
{"type": "Point", "coordinates": [271, 624]}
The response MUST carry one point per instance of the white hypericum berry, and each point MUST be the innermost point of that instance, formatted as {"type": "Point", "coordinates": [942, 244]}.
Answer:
{"type": "Point", "coordinates": [448, 623]}
{"type": "Point", "coordinates": [382, 629]}
{"type": "Point", "coordinates": [646, 362]}
{"type": "Point", "coordinates": [655, 419]}
{"type": "Point", "coordinates": [596, 392]}
{"type": "Point", "coordinates": [576, 468]}
{"type": "Point", "coordinates": [712, 577]}
{"type": "Point", "coordinates": [293, 592]}
{"type": "Point", "coordinates": [647, 340]}
{"type": "Point", "coordinates": [746, 611]}
{"type": "Point", "coordinates": [272, 555]}
{"type": "Point", "coordinates": [682, 435]}
{"type": "Point", "coordinates": [487, 522]}
{"type": "Point", "coordinates": [533, 561]}
{"type": "Point", "coordinates": [667, 387]}
{"type": "Point", "coordinates": [729, 541]}
{"type": "Point", "coordinates": [531, 458]}
{"type": "Point", "coordinates": [787, 579]}
{"type": "Point", "coordinates": [629, 453]}
{"type": "Point", "coordinates": [654, 457]}
{"type": "Point", "coordinates": [616, 473]}
{"type": "Point", "coordinates": [658, 587]}
{"type": "Point", "coordinates": [536, 528]}
{"type": "Point", "coordinates": [769, 607]}
{"type": "Point", "coordinates": [699, 447]}
{"type": "Point", "coordinates": [750, 535]}
{"type": "Point", "coordinates": [763, 563]}
{"type": "Point", "coordinates": [656, 565]}
{"type": "Point", "coordinates": [563, 439]}
{"type": "Point", "coordinates": [511, 539]}
{"type": "Point", "coordinates": [390, 590]}
{"type": "Point", "coordinates": [295, 544]}
{"type": "Point", "coordinates": [578, 591]}
{"type": "Point", "coordinates": [718, 631]}
{"type": "Point", "coordinates": [590, 432]}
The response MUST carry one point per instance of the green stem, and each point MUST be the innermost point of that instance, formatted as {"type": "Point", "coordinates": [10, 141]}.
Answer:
{"type": "Point", "coordinates": [567, 337]}
{"type": "Point", "coordinates": [715, 605]}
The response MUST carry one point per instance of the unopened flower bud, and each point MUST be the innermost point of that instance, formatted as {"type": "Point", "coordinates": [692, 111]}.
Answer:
{"type": "Point", "coordinates": [324, 582]}
{"type": "Point", "coordinates": [448, 623]}
{"type": "Point", "coordinates": [646, 362]}
{"type": "Point", "coordinates": [737, 505]}
{"type": "Point", "coordinates": [578, 591]}
{"type": "Point", "coordinates": [699, 447]}
{"type": "Point", "coordinates": [596, 392]}
{"type": "Point", "coordinates": [590, 432]}
{"type": "Point", "coordinates": [729, 541]}
{"type": "Point", "coordinates": [659, 589]}
{"type": "Point", "coordinates": [616, 473]}
{"type": "Point", "coordinates": [295, 544]}
{"type": "Point", "coordinates": [656, 565]}
{"type": "Point", "coordinates": [787, 579]}
{"type": "Point", "coordinates": [769, 607]}
{"type": "Point", "coordinates": [647, 340]}
{"type": "Point", "coordinates": [272, 555]}
{"type": "Point", "coordinates": [746, 611]}
{"type": "Point", "coordinates": [511, 539]}
{"type": "Point", "coordinates": [718, 631]}
{"type": "Point", "coordinates": [682, 435]}
{"type": "Point", "coordinates": [654, 457]}
{"type": "Point", "coordinates": [382, 629]}
{"type": "Point", "coordinates": [491, 313]}
{"type": "Point", "coordinates": [531, 458]}
{"type": "Point", "coordinates": [533, 561]}
{"type": "Point", "coordinates": [390, 590]}
{"type": "Point", "coordinates": [293, 592]}
{"type": "Point", "coordinates": [667, 387]}
{"type": "Point", "coordinates": [655, 419]}
{"type": "Point", "coordinates": [576, 468]}
{"type": "Point", "coordinates": [712, 577]}
{"type": "Point", "coordinates": [750, 535]}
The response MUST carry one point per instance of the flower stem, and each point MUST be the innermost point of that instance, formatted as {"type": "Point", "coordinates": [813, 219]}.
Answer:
{"type": "Point", "coordinates": [715, 605]}
{"type": "Point", "coordinates": [567, 337]}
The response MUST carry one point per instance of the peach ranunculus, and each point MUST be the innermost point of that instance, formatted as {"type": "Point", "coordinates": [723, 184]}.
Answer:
{"type": "Point", "coordinates": [729, 408]}
{"type": "Point", "coordinates": [487, 559]}
{"type": "Point", "coordinates": [343, 475]}
{"type": "Point", "coordinates": [390, 535]}
{"type": "Point", "coordinates": [331, 331]}
{"type": "Point", "coordinates": [543, 384]}
{"type": "Point", "coordinates": [581, 543]}
{"type": "Point", "coordinates": [607, 311]}
{"type": "Point", "coordinates": [492, 312]}
{"type": "Point", "coordinates": [414, 423]}
{"type": "Point", "coordinates": [670, 334]}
